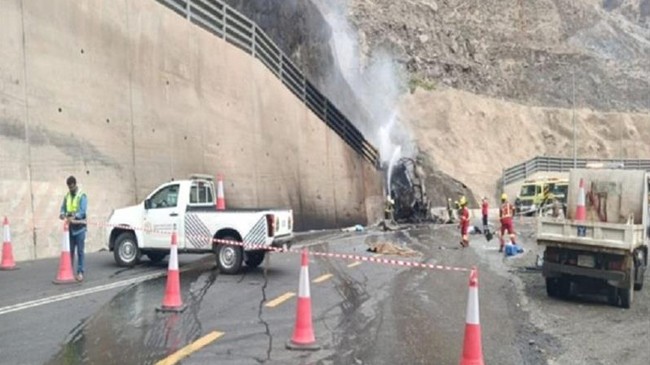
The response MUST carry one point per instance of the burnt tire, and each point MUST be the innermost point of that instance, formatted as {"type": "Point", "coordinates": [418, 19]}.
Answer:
{"type": "Point", "coordinates": [156, 257]}
{"type": "Point", "coordinates": [254, 258]}
{"type": "Point", "coordinates": [126, 252]}
{"type": "Point", "coordinates": [229, 257]}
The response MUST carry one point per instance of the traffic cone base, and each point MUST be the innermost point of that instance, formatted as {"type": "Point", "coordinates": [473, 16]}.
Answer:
{"type": "Point", "coordinates": [178, 309]}
{"type": "Point", "coordinates": [305, 347]}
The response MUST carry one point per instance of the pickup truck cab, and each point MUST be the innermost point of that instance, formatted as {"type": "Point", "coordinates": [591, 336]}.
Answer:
{"type": "Point", "coordinates": [188, 206]}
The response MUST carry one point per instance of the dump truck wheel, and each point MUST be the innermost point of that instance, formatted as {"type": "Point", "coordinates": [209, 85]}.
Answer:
{"type": "Point", "coordinates": [627, 294]}
{"type": "Point", "coordinates": [639, 272]}
{"type": "Point", "coordinates": [551, 287]}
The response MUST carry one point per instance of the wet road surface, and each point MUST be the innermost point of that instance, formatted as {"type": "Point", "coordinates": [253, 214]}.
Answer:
{"type": "Point", "coordinates": [363, 314]}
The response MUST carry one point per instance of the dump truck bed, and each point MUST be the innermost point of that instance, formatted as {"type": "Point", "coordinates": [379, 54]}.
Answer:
{"type": "Point", "coordinates": [594, 236]}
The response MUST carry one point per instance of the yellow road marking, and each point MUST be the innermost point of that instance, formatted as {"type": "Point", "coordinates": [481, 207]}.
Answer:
{"type": "Point", "coordinates": [189, 349]}
{"type": "Point", "coordinates": [322, 278]}
{"type": "Point", "coordinates": [357, 263]}
{"type": "Point", "coordinates": [277, 301]}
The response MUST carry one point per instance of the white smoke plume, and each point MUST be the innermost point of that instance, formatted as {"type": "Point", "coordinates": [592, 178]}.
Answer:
{"type": "Point", "coordinates": [377, 82]}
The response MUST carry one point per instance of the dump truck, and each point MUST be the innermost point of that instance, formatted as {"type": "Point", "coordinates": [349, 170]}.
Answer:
{"type": "Point", "coordinates": [608, 248]}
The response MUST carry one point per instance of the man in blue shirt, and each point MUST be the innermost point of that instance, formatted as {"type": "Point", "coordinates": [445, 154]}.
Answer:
{"type": "Point", "coordinates": [73, 210]}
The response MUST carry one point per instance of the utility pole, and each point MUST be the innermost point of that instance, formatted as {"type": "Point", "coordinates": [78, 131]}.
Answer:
{"type": "Point", "coordinates": [573, 117]}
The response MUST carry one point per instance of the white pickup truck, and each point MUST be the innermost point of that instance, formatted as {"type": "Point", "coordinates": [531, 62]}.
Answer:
{"type": "Point", "coordinates": [189, 207]}
{"type": "Point", "coordinates": [610, 247]}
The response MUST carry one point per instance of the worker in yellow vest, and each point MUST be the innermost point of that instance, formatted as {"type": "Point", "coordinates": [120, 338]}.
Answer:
{"type": "Point", "coordinates": [73, 209]}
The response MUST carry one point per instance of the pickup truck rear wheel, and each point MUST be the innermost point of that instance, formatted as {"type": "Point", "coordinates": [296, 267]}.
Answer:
{"type": "Point", "coordinates": [254, 258]}
{"type": "Point", "coordinates": [229, 257]}
{"type": "Point", "coordinates": [126, 251]}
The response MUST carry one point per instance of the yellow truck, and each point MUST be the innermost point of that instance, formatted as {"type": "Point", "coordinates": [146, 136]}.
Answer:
{"type": "Point", "coordinates": [535, 194]}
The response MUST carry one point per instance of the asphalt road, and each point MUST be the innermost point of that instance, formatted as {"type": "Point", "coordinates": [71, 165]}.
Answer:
{"type": "Point", "coordinates": [368, 313]}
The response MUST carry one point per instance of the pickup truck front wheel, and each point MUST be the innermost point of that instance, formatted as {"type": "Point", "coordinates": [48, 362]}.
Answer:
{"type": "Point", "coordinates": [126, 251]}
{"type": "Point", "coordinates": [229, 257]}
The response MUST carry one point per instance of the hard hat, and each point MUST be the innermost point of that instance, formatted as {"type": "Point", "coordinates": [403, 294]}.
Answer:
{"type": "Point", "coordinates": [504, 196]}
{"type": "Point", "coordinates": [463, 200]}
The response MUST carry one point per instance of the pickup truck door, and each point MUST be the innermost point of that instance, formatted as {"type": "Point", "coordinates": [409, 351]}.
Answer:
{"type": "Point", "coordinates": [163, 215]}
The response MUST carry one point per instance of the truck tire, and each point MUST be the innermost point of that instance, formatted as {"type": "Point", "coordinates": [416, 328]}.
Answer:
{"type": "Point", "coordinates": [126, 251]}
{"type": "Point", "coordinates": [612, 295]}
{"type": "Point", "coordinates": [229, 257]}
{"type": "Point", "coordinates": [627, 294]}
{"type": "Point", "coordinates": [639, 270]}
{"type": "Point", "coordinates": [254, 258]}
{"type": "Point", "coordinates": [552, 287]}
{"type": "Point", "coordinates": [156, 257]}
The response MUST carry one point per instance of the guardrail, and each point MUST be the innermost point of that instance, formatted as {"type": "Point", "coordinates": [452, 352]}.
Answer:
{"type": "Point", "coordinates": [219, 18]}
{"type": "Point", "coordinates": [562, 164]}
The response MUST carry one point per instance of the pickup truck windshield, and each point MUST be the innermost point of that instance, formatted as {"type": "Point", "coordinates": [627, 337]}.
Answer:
{"type": "Point", "coordinates": [166, 197]}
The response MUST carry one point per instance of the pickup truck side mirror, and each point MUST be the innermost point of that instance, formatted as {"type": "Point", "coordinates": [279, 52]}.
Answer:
{"type": "Point", "coordinates": [147, 204]}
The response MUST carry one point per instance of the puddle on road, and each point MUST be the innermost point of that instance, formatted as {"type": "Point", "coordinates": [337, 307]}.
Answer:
{"type": "Point", "coordinates": [128, 330]}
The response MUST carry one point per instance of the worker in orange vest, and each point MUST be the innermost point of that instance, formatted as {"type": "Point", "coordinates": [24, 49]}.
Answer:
{"type": "Point", "coordinates": [464, 222]}
{"type": "Point", "coordinates": [505, 214]}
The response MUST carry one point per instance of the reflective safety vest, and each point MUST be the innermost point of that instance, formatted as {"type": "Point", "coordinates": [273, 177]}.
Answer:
{"type": "Point", "coordinates": [506, 210]}
{"type": "Point", "coordinates": [72, 204]}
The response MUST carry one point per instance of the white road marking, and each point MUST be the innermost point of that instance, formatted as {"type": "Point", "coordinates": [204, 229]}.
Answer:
{"type": "Point", "coordinates": [78, 293]}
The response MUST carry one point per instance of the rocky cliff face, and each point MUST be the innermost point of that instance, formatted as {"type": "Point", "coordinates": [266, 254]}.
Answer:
{"type": "Point", "coordinates": [533, 52]}
{"type": "Point", "coordinates": [491, 75]}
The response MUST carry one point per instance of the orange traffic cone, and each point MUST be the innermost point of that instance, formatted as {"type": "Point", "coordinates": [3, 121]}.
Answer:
{"type": "Point", "coordinates": [65, 275]}
{"type": "Point", "coordinates": [7, 253]}
{"type": "Point", "coordinates": [221, 200]}
{"type": "Point", "coordinates": [303, 333]}
{"type": "Point", "coordinates": [472, 349]}
{"type": "Point", "coordinates": [581, 209]}
{"type": "Point", "coordinates": [172, 301]}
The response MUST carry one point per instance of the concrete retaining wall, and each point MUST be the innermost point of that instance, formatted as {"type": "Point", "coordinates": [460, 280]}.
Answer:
{"type": "Point", "coordinates": [126, 95]}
